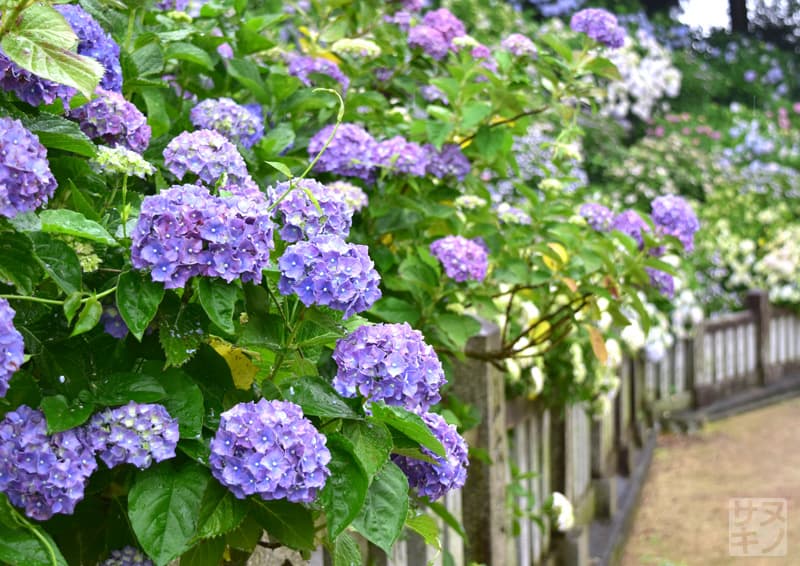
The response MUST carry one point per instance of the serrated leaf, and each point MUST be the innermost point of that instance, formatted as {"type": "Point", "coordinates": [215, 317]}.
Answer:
{"type": "Point", "coordinates": [183, 399]}
{"type": "Point", "coordinates": [243, 370]}
{"type": "Point", "coordinates": [62, 414]}
{"type": "Point", "coordinates": [163, 506]}
{"type": "Point", "coordinates": [246, 536]}
{"type": "Point", "coordinates": [346, 488]}
{"type": "Point", "coordinates": [72, 223]}
{"type": "Point", "coordinates": [218, 299]}
{"type": "Point", "coordinates": [410, 424]}
{"type": "Point", "coordinates": [23, 542]}
{"type": "Point", "coordinates": [189, 52]}
{"type": "Point", "coordinates": [316, 397]}
{"type": "Point", "coordinates": [426, 527]}
{"type": "Point", "coordinates": [392, 309]}
{"type": "Point", "coordinates": [138, 298]}
{"type": "Point", "coordinates": [181, 334]}
{"type": "Point", "coordinates": [119, 388]}
{"type": "Point", "coordinates": [280, 167]}
{"type": "Point", "coordinates": [384, 513]}
{"type": "Point", "coordinates": [288, 523]}
{"type": "Point", "coordinates": [220, 513]}
{"type": "Point", "coordinates": [59, 261]}
{"type": "Point", "coordinates": [17, 264]}
{"type": "Point", "coordinates": [346, 551]}
{"type": "Point", "coordinates": [371, 443]}
{"type": "Point", "coordinates": [55, 132]}
{"type": "Point", "coordinates": [205, 553]}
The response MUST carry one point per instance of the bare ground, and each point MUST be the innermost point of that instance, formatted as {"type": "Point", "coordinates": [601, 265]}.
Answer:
{"type": "Point", "coordinates": [683, 515]}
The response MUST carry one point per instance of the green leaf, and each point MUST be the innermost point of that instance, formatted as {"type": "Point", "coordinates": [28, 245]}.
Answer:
{"type": "Point", "coordinates": [119, 388]}
{"type": "Point", "coordinates": [39, 42]}
{"type": "Point", "coordinates": [316, 397]}
{"type": "Point", "coordinates": [157, 115]}
{"type": "Point", "coordinates": [474, 114]}
{"type": "Point", "coordinates": [346, 551]}
{"type": "Point", "coordinates": [449, 519]}
{"type": "Point", "coordinates": [384, 513]}
{"type": "Point", "coordinates": [59, 261]}
{"type": "Point", "coordinates": [604, 68]}
{"type": "Point", "coordinates": [410, 424]}
{"type": "Point", "coordinates": [183, 400]}
{"type": "Point", "coordinates": [456, 328]}
{"type": "Point", "coordinates": [290, 524]}
{"type": "Point", "coordinates": [489, 141]}
{"type": "Point", "coordinates": [206, 553]}
{"type": "Point", "coordinates": [55, 132]}
{"type": "Point", "coordinates": [392, 309]}
{"type": "Point", "coordinates": [277, 139]}
{"type": "Point", "coordinates": [23, 542]}
{"type": "Point", "coordinates": [370, 443]}
{"type": "Point", "coordinates": [71, 305]}
{"type": "Point", "coordinates": [60, 414]}
{"type": "Point", "coordinates": [246, 72]}
{"type": "Point", "coordinates": [218, 299]}
{"type": "Point", "coordinates": [426, 527]}
{"type": "Point", "coordinates": [148, 59]}
{"type": "Point", "coordinates": [246, 536]}
{"type": "Point", "coordinates": [280, 167]}
{"type": "Point", "coordinates": [181, 333]}
{"type": "Point", "coordinates": [221, 512]}
{"type": "Point", "coordinates": [164, 505]}
{"type": "Point", "coordinates": [345, 489]}
{"type": "Point", "coordinates": [191, 53]}
{"type": "Point", "coordinates": [438, 132]}
{"type": "Point", "coordinates": [138, 298]}
{"type": "Point", "coordinates": [17, 264]}
{"type": "Point", "coordinates": [88, 317]}
{"type": "Point", "coordinates": [72, 223]}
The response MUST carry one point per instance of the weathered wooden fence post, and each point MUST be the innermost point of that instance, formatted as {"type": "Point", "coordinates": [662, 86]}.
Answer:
{"type": "Point", "coordinates": [758, 303]}
{"type": "Point", "coordinates": [485, 515]}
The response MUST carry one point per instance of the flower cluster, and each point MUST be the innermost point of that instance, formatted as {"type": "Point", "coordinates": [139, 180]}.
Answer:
{"type": "Point", "coordinates": [26, 182]}
{"type": "Point", "coordinates": [113, 120]}
{"type": "Point", "coordinates": [353, 196]}
{"type": "Point", "coordinates": [230, 119]}
{"type": "Point", "coordinates": [43, 474]}
{"type": "Point", "coordinates": [29, 87]}
{"type": "Point", "coordinates": [94, 42]}
{"type": "Point", "coordinates": [303, 67]}
{"type": "Point", "coordinates": [121, 161]}
{"type": "Point", "coordinates": [137, 434]}
{"type": "Point", "coordinates": [299, 216]}
{"type": "Point", "coordinates": [358, 47]}
{"type": "Point", "coordinates": [401, 155]}
{"type": "Point", "coordinates": [508, 214]}
{"type": "Point", "coordinates": [629, 222]}
{"type": "Point", "coordinates": [519, 45]}
{"type": "Point", "coordinates": [113, 323]}
{"type": "Point", "coordinates": [662, 281]}
{"type": "Point", "coordinates": [12, 347]}
{"type": "Point", "coordinates": [450, 161]}
{"type": "Point", "coordinates": [269, 448]}
{"type": "Point", "coordinates": [597, 216]}
{"type": "Point", "coordinates": [450, 472]}
{"type": "Point", "coordinates": [674, 217]}
{"type": "Point", "coordinates": [390, 363]}
{"type": "Point", "coordinates": [436, 33]}
{"type": "Point", "coordinates": [600, 25]}
{"type": "Point", "coordinates": [206, 154]}
{"type": "Point", "coordinates": [461, 258]}
{"type": "Point", "coordinates": [349, 153]}
{"type": "Point", "coordinates": [184, 231]}
{"type": "Point", "coordinates": [128, 556]}
{"type": "Point", "coordinates": [331, 272]}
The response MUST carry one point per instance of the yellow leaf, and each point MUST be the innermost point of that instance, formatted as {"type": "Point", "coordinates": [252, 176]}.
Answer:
{"type": "Point", "coordinates": [539, 331]}
{"type": "Point", "coordinates": [387, 239]}
{"type": "Point", "coordinates": [598, 344]}
{"type": "Point", "coordinates": [553, 264]}
{"type": "Point", "coordinates": [242, 368]}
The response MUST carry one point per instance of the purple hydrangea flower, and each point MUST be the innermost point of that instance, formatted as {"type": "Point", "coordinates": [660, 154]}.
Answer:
{"type": "Point", "coordinates": [600, 25]}
{"type": "Point", "coordinates": [113, 324]}
{"type": "Point", "coordinates": [508, 214]}
{"type": "Point", "coordinates": [94, 42]}
{"type": "Point", "coordinates": [300, 218]}
{"type": "Point", "coordinates": [597, 216]}
{"type": "Point", "coordinates": [28, 87]}
{"type": "Point", "coordinates": [128, 556]}
{"type": "Point", "coordinates": [225, 50]}
{"type": "Point", "coordinates": [170, 5]}
{"type": "Point", "coordinates": [401, 155]}
{"type": "Point", "coordinates": [519, 45]}
{"type": "Point", "coordinates": [137, 433]}
{"type": "Point", "coordinates": [12, 347]}
{"type": "Point", "coordinates": [113, 120]}
{"type": "Point", "coordinates": [430, 40]}
{"type": "Point", "coordinates": [331, 272]}
{"type": "Point", "coordinates": [445, 23]}
{"type": "Point", "coordinates": [390, 363]}
{"type": "Point", "coordinates": [206, 154]}
{"type": "Point", "coordinates": [302, 67]}
{"type": "Point", "coordinates": [349, 153]}
{"type": "Point", "coordinates": [40, 473]}
{"type": "Point", "coordinates": [435, 480]}
{"type": "Point", "coordinates": [629, 222]}
{"type": "Point", "coordinates": [461, 258]}
{"type": "Point", "coordinates": [432, 93]}
{"type": "Point", "coordinates": [673, 216]}
{"type": "Point", "coordinates": [353, 196]}
{"type": "Point", "coordinates": [26, 182]}
{"type": "Point", "coordinates": [662, 281]}
{"type": "Point", "coordinates": [184, 231]}
{"type": "Point", "coordinates": [270, 449]}
{"type": "Point", "coordinates": [451, 161]}
{"type": "Point", "coordinates": [750, 75]}
{"type": "Point", "coordinates": [235, 122]}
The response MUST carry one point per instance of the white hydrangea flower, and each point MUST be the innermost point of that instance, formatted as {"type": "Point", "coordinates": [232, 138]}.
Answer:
{"type": "Point", "coordinates": [562, 511]}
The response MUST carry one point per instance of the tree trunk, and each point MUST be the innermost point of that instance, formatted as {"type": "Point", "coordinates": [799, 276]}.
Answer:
{"type": "Point", "coordinates": [738, 13]}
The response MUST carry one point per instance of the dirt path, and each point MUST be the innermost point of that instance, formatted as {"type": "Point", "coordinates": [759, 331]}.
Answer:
{"type": "Point", "coordinates": [683, 517]}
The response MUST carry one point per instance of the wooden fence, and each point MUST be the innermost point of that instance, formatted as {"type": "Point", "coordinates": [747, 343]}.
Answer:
{"type": "Point", "coordinates": [534, 451]}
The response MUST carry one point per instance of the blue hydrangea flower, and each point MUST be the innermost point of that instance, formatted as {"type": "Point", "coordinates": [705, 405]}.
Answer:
{"type": "Point", "coordinates": [206, 154]}
{"type": "Point", "coordinates": [600, 25]}
{"type": "Point", "coordinates": [170, 5]}
{"type": "Point", "coordinates": [232, 120]}
{"type": "Point", "coordinates": [128, 556]}
{"type": "Point", "coordinates": [137, 433]}
{"type": "Point", "coordinates": [390, 363]}
{"type": "Point", "coordinates": [662, 281]}
{"type": "Point", "coordinates": [353, 196]}
{"type": "Point", "coordinates": [433, 93]}
{"type": "Point", "coordinates": [26, 182]}
{"type": "Point", "coordinates": [461, 258]}
{"type": "Point", "coordinates": [401, 155]}
{"type": "Point", "coordinates": [673, 216]}
{"type": "Point", "coordinates": [443, 21]}
{"type": "Point", "coordinates": [519, 45]}
{"type": "Point", "coordinates": [184, 231]}
{"type": "Point", "coordinates": [430, 40]}
{"type": "Point", "coordinates": [94, 42]}
{"type": "Point", "coordinates": [331, 272]}
{"type": "Point", "coordinates": [349, 154]}
{"type": "Point", "coordinates": [630, 223]}
{"type": "Point", "coordinates": [269, 449]}
{"type": "Point", "coordinates": [302, 220]}
{"type": "Point", "coordinates": [12, 347]}
{"type": "Point", "coordinates": [28, 87]}
{"type": "Point", "coordinates": [40, 473]}
{"type": "Point", "coordinates": [113, 120]}
{"type": "Point", "coordinates": [303, 67]}
{"type": "Point", "coordinates": [113, 324]}
{"type": "Point", "coordinates": [435, 480]}
{"type": "Point", "coordinates": [450, 162]}
{"type": "Point", "coordinates": [597, 216]}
